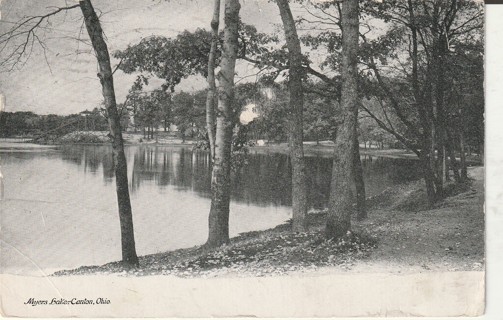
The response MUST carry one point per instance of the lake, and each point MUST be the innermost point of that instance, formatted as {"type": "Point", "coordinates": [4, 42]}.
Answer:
{"type": "Point", "coordinates": [59, 206]}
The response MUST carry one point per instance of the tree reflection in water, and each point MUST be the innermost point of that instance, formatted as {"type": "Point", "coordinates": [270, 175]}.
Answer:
{"type": "Point", "coordinates": [264, 181]}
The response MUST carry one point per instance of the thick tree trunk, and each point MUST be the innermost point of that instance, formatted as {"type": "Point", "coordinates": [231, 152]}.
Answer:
{"type": "Point", "coordinates": [361, 209]}
{"type": "Point", "coordinates": [211, 96]}
{"type": "Point", "coordinates": [105, 75]}
{"type": "Point", "coordinates": [429, 178]}
{"type": "Point", "coordinates": [295, 127]}
{"type": "Point", "coordinates": [220, 178]}
{"type": "Point", "coordinates": [438, 63]}
{"type": "Point", "coordinates": [341, 202]}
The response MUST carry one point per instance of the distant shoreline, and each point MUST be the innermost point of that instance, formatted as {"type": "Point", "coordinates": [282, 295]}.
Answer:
{"type": "Point", "coordinates": [322, 149]}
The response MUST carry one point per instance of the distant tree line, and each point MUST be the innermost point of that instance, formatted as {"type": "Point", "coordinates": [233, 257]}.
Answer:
{"type": "Point", "coordinates": [29, 124]}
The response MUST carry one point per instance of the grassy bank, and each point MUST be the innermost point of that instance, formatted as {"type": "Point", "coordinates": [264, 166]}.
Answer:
{"type": "Point", "coordinates": [400, 235]}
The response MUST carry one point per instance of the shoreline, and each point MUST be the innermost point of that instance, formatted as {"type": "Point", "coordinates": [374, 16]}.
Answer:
{"type": "Point", "coordinates": [324, 149]}
{"type": "Point", "coordinates": [400, 236]}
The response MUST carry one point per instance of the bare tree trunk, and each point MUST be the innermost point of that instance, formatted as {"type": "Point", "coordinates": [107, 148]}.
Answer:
{"type": "Point", "coordinates": [220, 178]}
{"type": "Point", "coordinates": [361, 209]}
{"type": "Point", "coordinates": [340, 202]}
{"type": "Point", "coordinates": [445, 169]}
{"type": "Point", "coordinates": [453, 162]}
{"type": "Point", "coordinates": [438, 63]}
{"type": "Point", "coordinates": [295, 134]}
{"type": "Point", "coordinates": [429, 178]}
{"type": "Point", "coordinates": [211, 96]}
{"type": "Point", "coordinates": [481, 148]}
{"type": "Point", "coordinates": [427, 111]}
{"type": "Point", "coordinates": [105, 75]}
{"type": "Point", "coordinates": [464, 171]}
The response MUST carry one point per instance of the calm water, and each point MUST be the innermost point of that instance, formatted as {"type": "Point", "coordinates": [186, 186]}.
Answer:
{"type": "Point", "coordinates": [59, 206]}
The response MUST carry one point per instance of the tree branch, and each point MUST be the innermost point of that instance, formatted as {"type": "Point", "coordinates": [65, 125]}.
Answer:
{"type": "Point", "coordinates": [409, 144]}
{"type": "Point", "coordinates": [29, 33]}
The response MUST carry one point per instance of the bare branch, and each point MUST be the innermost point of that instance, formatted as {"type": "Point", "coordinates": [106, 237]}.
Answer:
{"type": "Point", "coordinates": [320, 75]}
{"type": "Point", "coordinates": [118, 65]}
{"type": "Point", "coordinates": [29, 35]}
{"type": "Point", "coordinates": [410, 144]}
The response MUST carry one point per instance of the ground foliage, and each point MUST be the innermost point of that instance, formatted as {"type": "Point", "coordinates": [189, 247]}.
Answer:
{"type": "Point", "coordinates": [273, 252]}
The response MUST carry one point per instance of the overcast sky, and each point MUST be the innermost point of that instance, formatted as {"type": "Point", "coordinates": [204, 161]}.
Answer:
{"type": "Point", "coordinates": [67, 82]}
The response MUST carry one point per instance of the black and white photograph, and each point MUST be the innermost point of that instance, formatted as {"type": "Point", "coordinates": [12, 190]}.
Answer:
{"type": "Point", "coordinates": [251, 158]}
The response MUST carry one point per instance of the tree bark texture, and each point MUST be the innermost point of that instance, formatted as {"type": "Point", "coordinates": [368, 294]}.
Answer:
{"type": "Point", "coordinates": [426, 110]}
{"type": "Point", "coordinates": [105, 75]}
{"type": "Point", "coordinates": [453, 162]}
{"type": "Point", "coordinates": [429, 177]}
{"type": "Point", "coordinates": [295, 119]}
{"type": "Point", "coordinates": [361, 208]}
{"type": "Point", "coordinates": [439, 48]}
{"type": "Point", "coordinates": [220, 178]}
{"type": "Point", "coordinates": [211, 96]}
{"type": "Point", "coordinates": [340, 201]}
{"type": "Point", "coordinates": [462, 155]}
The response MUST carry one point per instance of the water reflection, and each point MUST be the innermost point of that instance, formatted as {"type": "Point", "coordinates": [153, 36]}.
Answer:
{"type": "Point", "coordinates": [60, 207]}
{"type": "Point", "coordinates": [264, 181]}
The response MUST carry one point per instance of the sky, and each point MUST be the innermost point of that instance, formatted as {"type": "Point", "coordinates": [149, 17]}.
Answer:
{"type": "Point", "coordinates": [63, 80]}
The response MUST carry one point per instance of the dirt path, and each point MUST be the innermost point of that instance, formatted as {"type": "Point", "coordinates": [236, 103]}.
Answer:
{"type": "Point", "coordinates": [449, 237]}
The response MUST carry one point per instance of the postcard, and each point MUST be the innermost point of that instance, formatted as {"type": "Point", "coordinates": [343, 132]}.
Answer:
{"type": "Point", "coordinates": [253, 158]}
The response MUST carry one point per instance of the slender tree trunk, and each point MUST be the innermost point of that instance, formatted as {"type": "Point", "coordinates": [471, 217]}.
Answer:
{"type": "Point", "coordinates": [428, 179]}
{"type": "Point", "coordinates": [211, 96]}
{"type": "Point", "coordinates": [105, 75]}
{"type": "Point", "coordinates": [462, 155]}
{"type": "Point", "coordinates": [220, 178]}
{"type": "Point", "coordinates": [453, 162]}
{"type": "Point", "coordinates": [340, 202]}
{"type": "Point", "coordinates": [481, 149]}
{"type": "Point", "coordinates": [445, 169]}
{"type": "Point", "coordinates": [438, 63]}
{"type": "Point", "coordinates": [427, 110]}
{"type": "Point", "coordinates": [295, 132]}
{"type": "Point", "coordinates": [361, 209]}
